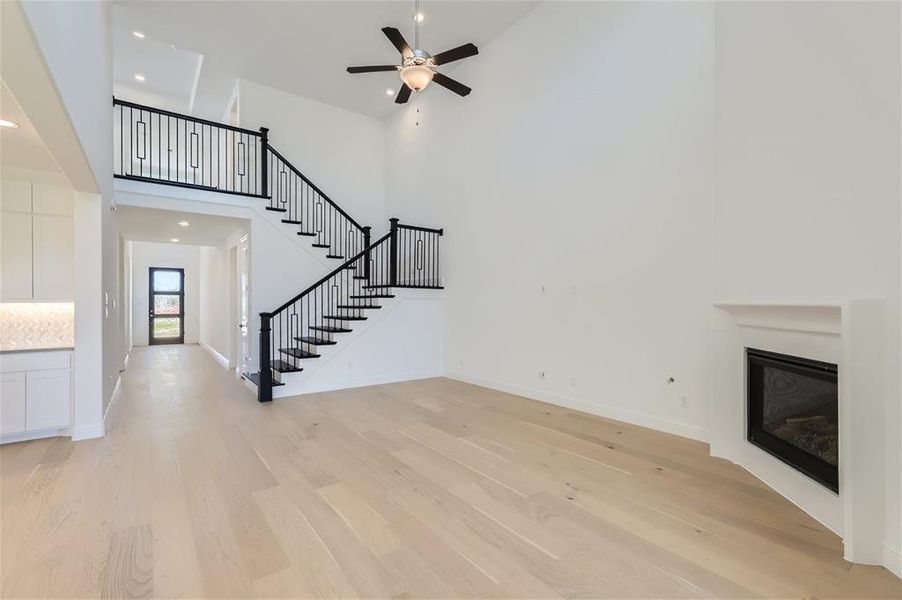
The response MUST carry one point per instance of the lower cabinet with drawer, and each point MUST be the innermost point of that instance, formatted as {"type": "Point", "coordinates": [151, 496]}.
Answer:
{"type": "Point", "coordinates": [35, 395]}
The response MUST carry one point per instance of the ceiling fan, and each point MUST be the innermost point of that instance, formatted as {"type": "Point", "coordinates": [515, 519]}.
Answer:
{"type": "Point", "coordinates": [417, 68]}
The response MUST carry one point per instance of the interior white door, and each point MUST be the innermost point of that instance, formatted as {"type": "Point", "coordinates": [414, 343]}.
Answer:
{"type": "Point", "coordinates": [244, 340]}
{"type": "Point", "coordinates": [12, 403]}
{"type": "Point", "coordinates": [47, 399]}
{"type": "Point", "coordinates": [16, 256]}
{"type": "Point", "coordinates": [54, 268]}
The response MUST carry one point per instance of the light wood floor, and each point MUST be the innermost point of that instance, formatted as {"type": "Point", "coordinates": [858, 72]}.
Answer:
{"type": "Point", "coordinates": [423, 489]}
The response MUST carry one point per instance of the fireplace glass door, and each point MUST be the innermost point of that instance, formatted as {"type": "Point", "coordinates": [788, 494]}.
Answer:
{"type": "Point", "coordinates": [793, 412]}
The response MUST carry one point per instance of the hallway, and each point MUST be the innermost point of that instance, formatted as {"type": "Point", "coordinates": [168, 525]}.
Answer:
{"type": "Point", "coordinates": [431, 488]}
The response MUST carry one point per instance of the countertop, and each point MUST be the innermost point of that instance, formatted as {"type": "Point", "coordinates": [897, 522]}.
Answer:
{"type": "Point", "coordinates": [23, 350]}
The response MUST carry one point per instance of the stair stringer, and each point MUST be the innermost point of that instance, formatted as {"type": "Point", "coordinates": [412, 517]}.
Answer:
{"type": "Point", "coordinates": [402, 341]}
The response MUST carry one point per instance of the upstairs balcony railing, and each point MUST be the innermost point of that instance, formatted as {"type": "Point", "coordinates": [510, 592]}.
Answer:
{"type": "Point", "coordinates": [160, 146]}
{"type": "Point", "coordinates": [151, 144]}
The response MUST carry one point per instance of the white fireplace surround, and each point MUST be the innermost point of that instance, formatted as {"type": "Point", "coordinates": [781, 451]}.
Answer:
{"type": "Point", "coordinates": [850, 334]}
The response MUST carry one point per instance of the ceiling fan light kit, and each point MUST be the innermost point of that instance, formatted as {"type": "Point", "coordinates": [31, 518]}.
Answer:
{"type": "Point", "coordinates": [417, 68]}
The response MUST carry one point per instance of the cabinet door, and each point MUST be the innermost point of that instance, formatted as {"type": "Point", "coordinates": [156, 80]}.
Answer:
{"type": "Point", "coordinates": [15, 194]}
{"type": "Point", "coordinates": [51, 200]}
{"type": "Point", "coordinates": [12, 403]}
{"type": "Point", "coordinates": [53, 258]}
{"type": "Point", "coordinates": [47, 399]}
{"type": "Point", "coordinates": [15, 256]}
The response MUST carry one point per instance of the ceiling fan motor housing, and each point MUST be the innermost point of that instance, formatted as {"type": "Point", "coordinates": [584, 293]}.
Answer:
{"type": "Point", "coordinates": [416, 71]}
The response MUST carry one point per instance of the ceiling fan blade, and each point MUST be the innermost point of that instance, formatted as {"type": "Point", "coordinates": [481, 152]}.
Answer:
{"type": "Point", "coordinates": [398, 40]}
{"type": "Point", "coordinates": [373, 69]}
{"type": "Point", "coordinates": [452, 84]}
{"type": "Point", "coordinates": [403, 94]}
{"type": "Point", "coordinates": [458, 53]}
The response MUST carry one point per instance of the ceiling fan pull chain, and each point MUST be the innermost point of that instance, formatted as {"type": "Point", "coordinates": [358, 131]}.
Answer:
{"type": "Point", "coordinates": [418, 108]}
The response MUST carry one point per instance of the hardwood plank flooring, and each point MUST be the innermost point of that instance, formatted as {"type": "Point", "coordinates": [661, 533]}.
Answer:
{"type": "Point", "coordinates": [424, 489]}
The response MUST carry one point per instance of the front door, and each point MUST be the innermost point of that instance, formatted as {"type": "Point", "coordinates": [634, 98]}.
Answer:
{"type": "Point", "coordinates": [167, 306]}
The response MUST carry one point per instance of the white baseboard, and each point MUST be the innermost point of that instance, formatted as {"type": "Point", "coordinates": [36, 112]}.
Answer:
{"type": "Point", "coordinates": [23, 436]}
{"type": "Point", "coordinates": [609, 412]}
{"type": "Point", "coordinates": [287, 391]}
{"type": "Point", "coordinates": [88, 432]}
{"type": "Point", "coordinates": [222, 360]}
{"type": "Point", "coordinates": [892, 560]}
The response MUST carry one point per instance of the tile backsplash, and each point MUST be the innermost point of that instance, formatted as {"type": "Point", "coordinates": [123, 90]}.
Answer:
{"type": "Point", "coordinates": [37, 325]}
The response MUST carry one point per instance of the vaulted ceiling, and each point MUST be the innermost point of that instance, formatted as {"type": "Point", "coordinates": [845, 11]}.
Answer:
{"type": "Point", "coordinates": [193, 51]}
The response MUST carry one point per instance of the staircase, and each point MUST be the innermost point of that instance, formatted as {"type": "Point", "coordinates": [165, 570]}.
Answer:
{"type": "Point", "coordinates": [159, 146]}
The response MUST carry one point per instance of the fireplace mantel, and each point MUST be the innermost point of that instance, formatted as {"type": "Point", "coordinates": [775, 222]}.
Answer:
{"type": "Point", "coordinates": [848, 333]}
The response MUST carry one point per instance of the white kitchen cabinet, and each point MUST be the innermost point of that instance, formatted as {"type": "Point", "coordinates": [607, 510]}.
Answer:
{"type": "Point", "coordinates": [50, 199]}
{"type": "Point", "coordinates": [16, 256]}
{"type": "Point", "coordinates": [12, 403]}
{"type": "Point", "coordinates": [35, 394]}
{"type": "Point", "coordinates": [47, 399]}
{"type": "Point", "coordinates": [15, 194]}
{"type": "Point", "coordinates": [53, 269]}
{"type": "Point", "coordinates": [37, 242]}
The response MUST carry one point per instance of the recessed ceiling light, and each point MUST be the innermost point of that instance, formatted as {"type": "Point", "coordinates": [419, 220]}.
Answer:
{"type": "Point", "coordinates": [138, 34]}
{"type": "Point", "coordinates": [174, 240]}
{"type": "Point", "coordinates": [183, 223]}
{"type": "Point", "coordinates": [389, 92]}
{"type": "Point", "coordinates": [5, 123]}
{"type": "Point", "coordinates": [418, 17]}
{"type": "Point", "coordinates": [139, 77]}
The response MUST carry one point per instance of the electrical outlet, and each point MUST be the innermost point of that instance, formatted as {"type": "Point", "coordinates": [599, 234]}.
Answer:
{"type": "Point", "coordinates": [684, 401]}
{"type": "Point", "coordinates": [542, 375]}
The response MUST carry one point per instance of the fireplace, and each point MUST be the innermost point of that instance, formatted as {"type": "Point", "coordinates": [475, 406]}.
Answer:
{"type": "Point", "coordinates": [793, 412]}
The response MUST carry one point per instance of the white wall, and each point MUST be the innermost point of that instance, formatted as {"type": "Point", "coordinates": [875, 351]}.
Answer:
{"type": "Point", "coordinates": [576, 191]}
{"type": "Point", "coordinates": [399, 342]}
{"type": "Point", "coordinates": [214, 298]}
{"type": "Point", "coordinates": [808, 168]}
{"type": "Point", "coordinates": [179, 256]}
{"type": "Point", "coordinates": [341, 152]}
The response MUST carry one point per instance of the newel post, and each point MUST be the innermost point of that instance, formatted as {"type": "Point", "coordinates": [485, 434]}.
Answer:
{"type": "Point", "coordinates": [366, 257]}
{"type": "Point", "coordinates": [264, 161]}
{"type": "Point", "coordinates": [264, 385]}
{"type": "Point", "coordinates": [393, 260]}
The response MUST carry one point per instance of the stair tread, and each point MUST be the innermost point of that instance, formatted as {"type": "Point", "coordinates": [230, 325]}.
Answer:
{"type": "Point", "coordinates": [334, 256]}
{"type": "Point", "coordinates": [320, 245]}
{"type": "Point", "coordinates": [361, 277]}
{"type": "Point", "coordinates": [291, 221]}
{"type": "Point", "coordinates": [255, 379]}
{"type": "Point", "coordinates": [330, 329]}
{"type": "Point", "coordinates": [344, 318]}
{"type": "Point", "coordinates": [373, 296]}
{"type": "Point", "coordinates": [275, 209]}
{"type": "Point", "coordinates": [298, 353]}
{"type": "Point", "coordinates": [309, 339]}
{"type": "Point", "coordinates": [285, 367]}
{"type": "Point", "coordinates": [358, 306]}
{"type": "Point", "coordinates": [310, 233]}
